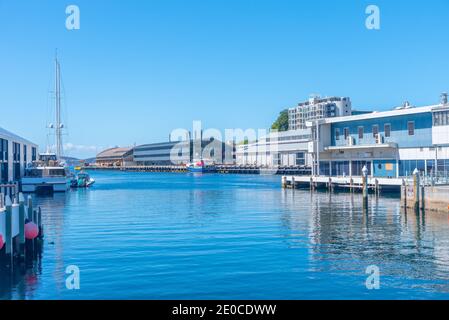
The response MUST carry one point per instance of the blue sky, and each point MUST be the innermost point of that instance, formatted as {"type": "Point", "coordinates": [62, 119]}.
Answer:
{"type": "Point", "coordinates": [136, 70]}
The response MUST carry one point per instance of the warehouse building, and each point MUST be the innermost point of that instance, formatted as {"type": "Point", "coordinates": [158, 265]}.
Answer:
{"type": "Point", "coordinates": [115, 157]}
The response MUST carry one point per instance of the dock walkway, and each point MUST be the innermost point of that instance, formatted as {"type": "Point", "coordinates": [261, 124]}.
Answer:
{"type": "Point", "coordinates": [355, 183]}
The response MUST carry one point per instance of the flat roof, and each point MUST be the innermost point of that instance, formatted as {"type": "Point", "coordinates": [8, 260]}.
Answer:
{"type": "Point", "coordinates": [9, 135]}
{"type": "Point", "coordinates": [382, 114]}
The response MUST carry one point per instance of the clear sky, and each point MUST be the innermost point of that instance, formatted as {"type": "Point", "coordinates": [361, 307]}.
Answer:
{"type": "Point", "coordinates": [136, 70]}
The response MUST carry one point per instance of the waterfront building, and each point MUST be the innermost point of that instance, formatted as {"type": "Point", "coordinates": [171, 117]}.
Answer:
{"type": "Point", "coordinates": [115, 157]}
{"type": "Point", "coordinates": [390, 144]}
{"type": "Point", "coordinates": [184, 152]}
{"type": "Point", "coordinates": [15, 154]}
{"type": "Point", "coordinates": [288, 148]}
{"type": "Point", "coordinates": [318, 108]}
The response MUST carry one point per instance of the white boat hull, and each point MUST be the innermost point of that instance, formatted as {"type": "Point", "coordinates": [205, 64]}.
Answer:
{"type": "Point", "coordinates": [55, 184]}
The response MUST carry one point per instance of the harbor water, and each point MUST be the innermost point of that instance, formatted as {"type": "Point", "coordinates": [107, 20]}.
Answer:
{"type": "Point", "coordinates": [185, 236]}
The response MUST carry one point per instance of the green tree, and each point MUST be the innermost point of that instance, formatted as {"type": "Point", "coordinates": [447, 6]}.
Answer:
{"type": "Point", "coordinates": [281, 123]}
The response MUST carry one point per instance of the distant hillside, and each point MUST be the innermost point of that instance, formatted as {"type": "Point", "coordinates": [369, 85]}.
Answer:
{"type": "Point", "coordinates": [90, 160]}
{"type": "Point", "coordinates": [71, 161]}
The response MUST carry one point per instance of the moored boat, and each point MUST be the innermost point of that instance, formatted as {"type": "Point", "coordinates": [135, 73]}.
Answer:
{"type": "Point", "coordinates": [201, 167]}
{"type": "Point", "coordinates": [82, 180]}
{"type": "Point", "coordinates": [47, 175]}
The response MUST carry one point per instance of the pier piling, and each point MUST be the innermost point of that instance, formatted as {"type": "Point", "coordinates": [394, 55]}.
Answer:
{"type": "Point", "coordinates": [284, 182]}
{"type": "Point", "coordinates": [39, 223]}
{"type": "Point", "coordinates": [365, 185]}
{"type": "Point", "coordinates": [416, 192]}
{"type": "Point", "coordinates": [8, 231]}
{"type": "Point", "coordinates": [21, 227]}
{"type": "Point", "coordinates": [30, 208]}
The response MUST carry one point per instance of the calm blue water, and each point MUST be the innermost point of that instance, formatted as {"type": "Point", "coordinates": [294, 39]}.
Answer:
{"type": "Point", "coordinates": [179, 236]}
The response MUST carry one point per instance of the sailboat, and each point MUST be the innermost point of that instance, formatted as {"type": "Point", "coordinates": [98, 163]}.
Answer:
{"type": "Point", "coordinates": [48, 174]}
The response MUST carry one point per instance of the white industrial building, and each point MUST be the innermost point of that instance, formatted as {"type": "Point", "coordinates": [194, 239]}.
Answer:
{"type": "Point", "coordinates": [288, 148]}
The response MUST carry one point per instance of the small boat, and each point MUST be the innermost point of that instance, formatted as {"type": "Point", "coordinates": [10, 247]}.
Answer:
{"type": "Point", "coordinates": [201, 167]}
{"type": "Point", "coordinates": [78, 168]}
{"type": "Point", "coordinates": [82, 180]}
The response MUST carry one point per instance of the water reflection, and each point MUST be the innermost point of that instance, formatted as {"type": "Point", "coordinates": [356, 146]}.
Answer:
{"type": "Point", "coordinates": [176, 236]}
{"type": "Point", "coordinates": [349, 236]}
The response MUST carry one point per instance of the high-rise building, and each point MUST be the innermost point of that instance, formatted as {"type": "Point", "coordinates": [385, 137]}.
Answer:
{"type": "Point", "coordinates": [318, 108]}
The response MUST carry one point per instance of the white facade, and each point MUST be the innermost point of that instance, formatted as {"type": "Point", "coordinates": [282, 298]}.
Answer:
{"type": "Point", "coordinates": [289, 148]}
{"type": "Point", "coordinates": [15, 154]}
{"type": "Point", "coordinates": [390, 143]}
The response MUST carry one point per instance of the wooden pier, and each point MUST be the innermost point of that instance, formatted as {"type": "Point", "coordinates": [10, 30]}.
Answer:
{"type": "Point", "coordinates": [16, 246]}
{"type": "Point", "coordinates": [223, 169]}
{"type": "Point", "coordinates": [343, 183]}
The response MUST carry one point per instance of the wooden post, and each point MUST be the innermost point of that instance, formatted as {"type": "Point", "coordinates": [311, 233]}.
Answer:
{"type": "Point", "coordinates": [284, 182]}
{"type": "Point", "coordinates": [30, 208]}
{"type": "Point", "coordinates": [293, 182]}
{"type": "Point", "coordinates": [40, 225]}
{"type": "Point", "coordinates": [416, 189]}
{"type": "Point", "coordinates": [376, 182]}
{"type": "Point", "coordinates": [422, 197]}
{"type": "Point", "coordinates": [8, 230]}
{"type": "Point", "coordinates": [404, 193]}
{"type": "Point", "coordinates": [21, 226]}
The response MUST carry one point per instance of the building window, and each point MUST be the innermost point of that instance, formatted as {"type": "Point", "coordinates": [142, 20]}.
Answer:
{"type": "Point", "coordinates": [337, 134]}
{"type": "Point", "coordinates": [300, 159]}
{"type": "Point", "coordinates": [411, 128]}
{"type": "Point", "coordinates": [375, 130]}
{"type": "Point", "coordinates": [16, 151]}
{"type": "Point", "coordinates": [360, 132]}
{"type": "Point", "coordinates": [387, 129]}
{"type": "Point", "coordinates": [441, 118]}
{"type": "Point", "coordinates": [25, 156]}
{"type": "Point", "coordinates": [33, 154]}
{"type": "Point", "coordinates": [346, 133]}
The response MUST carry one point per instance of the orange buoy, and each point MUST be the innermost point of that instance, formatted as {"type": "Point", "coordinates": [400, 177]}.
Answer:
{"type": "Point", "coordinates": [31, 231]}
{"type": "Point", "coordinates": [2, 242]}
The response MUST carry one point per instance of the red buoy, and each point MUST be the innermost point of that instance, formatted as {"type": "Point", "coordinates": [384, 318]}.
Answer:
{"type": "Point", "coordinates": [2, 242]}
{"type": "Point", "coordinates": [31, 231]}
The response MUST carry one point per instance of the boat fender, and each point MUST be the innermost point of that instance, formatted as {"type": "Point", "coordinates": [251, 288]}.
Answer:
{"type": "Point", "coordinates": [31, 231]}
{"type": "Point", "coordinates": [2, 242]}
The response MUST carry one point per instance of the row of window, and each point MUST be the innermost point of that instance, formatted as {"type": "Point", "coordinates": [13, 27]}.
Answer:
{"type": "Point", "coordinates": [16, 151]}
{"type": "Point", "coordinates": [375, 131]}
{"type": "Point", "coordinates": [406, 167]}
{"type": "Point", "coordinates": [441, 118]}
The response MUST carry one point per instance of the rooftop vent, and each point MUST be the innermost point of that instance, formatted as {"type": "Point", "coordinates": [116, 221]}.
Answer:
{"type": "Point", "coordinates": [444, 98]}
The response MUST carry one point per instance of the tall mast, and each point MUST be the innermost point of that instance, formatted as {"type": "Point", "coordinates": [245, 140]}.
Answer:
{"type": "Point", "coordinates": [58, 125]}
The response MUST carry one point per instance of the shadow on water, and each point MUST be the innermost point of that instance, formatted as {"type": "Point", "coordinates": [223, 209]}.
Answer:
{"type": "Point", "coordinates": [23, 279]}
